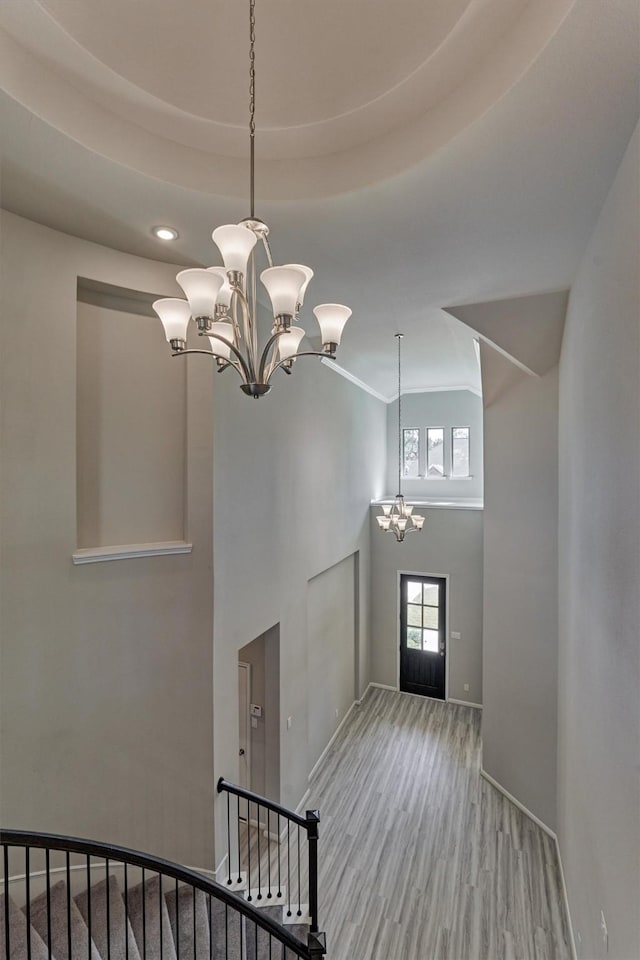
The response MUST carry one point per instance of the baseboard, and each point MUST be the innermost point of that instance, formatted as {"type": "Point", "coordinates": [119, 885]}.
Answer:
{"type": "Point", "coordinates": [565, 898]}
{"type": "Point", "coordinates": [324, 753]}
{"type": "Point", "coordinates": [383, 686]}
{"type": "Point", "coordinates": [465, 703]}
{"type": "Point", "coordinates": [366, 691]}
{"type": "Point", "coordinates": [518, 804]}
{"type": "Point", "coordinates": [554, 836]}
{"type": "Point", "coordinates": [303, 802]}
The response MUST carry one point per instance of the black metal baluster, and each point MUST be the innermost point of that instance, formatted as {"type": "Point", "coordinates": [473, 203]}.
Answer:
{"type": "Point", "coordinates": [160, 912]}
{"type": "Point", "coordinates": [238, 833]}
{"type": "Point", "coordinates": [47, 867]}
{"type": "Point", "coordinates": [226, 930]}
{"type": "Point", "coordinates": [299, 872]}
{"type": "Point", "coordinates": [255, 927]}
{"type": "Point", "coordinates": [279, 877]}
{"type": "Point", "coordinates": [228, 839]}
{"type": "Point", "coordinates": [269, 852]}
{"type": "Point", "coordinates": [28, 903]}
{"type": "Point", "coordinates": [313, 819]}
{"type": "Point", "coordinates": [288, 870]}
{"type": "Point", "coordinates": [242, 925]}
{"type": "Point", "coordinates": [259, 856]}
{"type": "Point", "coordinates": [249, 897]}
{"type": "Point", "coordinates": [68, 864]}
{"type": "Point", "coordinates": [144, 916]}
{"type": "Point", "coordinates": [177, 923]}
{"type": "Point", "coordinates": [89, 907]}
{"type": "Point", "coordinates": [126, 913]}
{"type": "Point", "coordinates": [7, 935]}
{"type": "Point", "coordinates": [210, 932]}
{"type": "Point", "coordinates": [108, 906]}
{"type": "Point", "coordinates": [194, 925]}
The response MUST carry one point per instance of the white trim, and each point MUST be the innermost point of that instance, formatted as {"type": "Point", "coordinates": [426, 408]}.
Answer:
{"type": "Point", "coordinates": [302, 803]}
{"type": "Point", "coordinates": [517, 803]}
{"type": "Point", "coordinates": [129, 550]}
{"type": "Point", "coordinates": [383, 686]}
{"type": "Point", "coordinates": [353, 379]}
{"type": "Point", "coordinates": [554, 836]}
{"type": "Point", "coordinates": [330, 744]}
{"type": "Point", "coordinates": [439, 576]}
{"type": "Point", "coordinates": [462, 503]}
{"type": "Point", "coordinates": [470, 388]}
{"type": "Point", "coordinates": [465, 703]}
{"type": "Point", "coordinates": [114, 864]}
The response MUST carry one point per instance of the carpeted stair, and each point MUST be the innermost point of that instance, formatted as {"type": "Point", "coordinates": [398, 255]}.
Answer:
{"type": "Point", "coordinates": [159, 923]}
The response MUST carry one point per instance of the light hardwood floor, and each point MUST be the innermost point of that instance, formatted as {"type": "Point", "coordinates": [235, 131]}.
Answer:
{"type": "Point", "coordinates": [420, 858]}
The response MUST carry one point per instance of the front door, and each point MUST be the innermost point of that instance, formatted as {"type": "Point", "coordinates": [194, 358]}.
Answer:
{"type": "Point", "coordinates": [422, 635]}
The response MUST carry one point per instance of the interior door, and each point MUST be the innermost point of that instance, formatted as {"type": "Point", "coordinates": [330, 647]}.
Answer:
{"type": "Point", "coordinates": [422, 635]}
{"type": "Point", "coordinates": [244, 730]}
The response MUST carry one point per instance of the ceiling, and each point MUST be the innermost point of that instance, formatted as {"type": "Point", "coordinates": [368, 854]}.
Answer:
{"type": "Point", "coordinates": [417, 154]}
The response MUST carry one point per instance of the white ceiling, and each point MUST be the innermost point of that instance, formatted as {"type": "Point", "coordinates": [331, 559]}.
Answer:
{"type": "Point", "coordinates": [496, 199]}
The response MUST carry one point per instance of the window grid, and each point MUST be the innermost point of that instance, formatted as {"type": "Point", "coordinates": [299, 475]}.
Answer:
{"type": "Point", "coordinates": [435, 452]}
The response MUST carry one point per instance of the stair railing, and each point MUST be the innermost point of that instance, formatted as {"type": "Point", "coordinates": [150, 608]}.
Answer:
{"type": "Point", "coordinates": [283, 873]}
{"type": "Point", "coordinates": [161, 909]}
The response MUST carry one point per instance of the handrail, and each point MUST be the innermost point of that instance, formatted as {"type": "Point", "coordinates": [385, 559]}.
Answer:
{"type": "Point", "coordinates": [262, 801]}
{"type": "Point", "coordinates": [96, 848]}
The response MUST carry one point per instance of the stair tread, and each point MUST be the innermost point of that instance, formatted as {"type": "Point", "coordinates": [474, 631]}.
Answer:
{"type": "Point", "coordinates": [111, 941]}
{"type": "Point", "coordinates": [81, 945]}
{"type": "Point", "coordinates": [18, 935]}
{"type": "Point", "coordinates": [186, 948]}
{"type": "Point", "coordinates": [151, 927]}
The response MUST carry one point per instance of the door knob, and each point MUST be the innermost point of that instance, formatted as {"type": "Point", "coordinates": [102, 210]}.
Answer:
{"type": "Point", "coordinates": [241, 752]}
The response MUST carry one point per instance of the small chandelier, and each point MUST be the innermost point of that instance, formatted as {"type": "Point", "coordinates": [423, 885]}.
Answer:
{"type": "Point", "coordinates": [398, 517]}
{"type": "Point", "coordinates": [223, 302]}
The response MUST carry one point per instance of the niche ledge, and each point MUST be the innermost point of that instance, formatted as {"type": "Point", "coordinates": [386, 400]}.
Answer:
{"type": "Point", "coordinates": [128, 550]}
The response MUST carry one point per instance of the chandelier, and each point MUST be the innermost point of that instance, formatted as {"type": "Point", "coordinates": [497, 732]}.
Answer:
{"type": "Point", "coordinates": [398, 517]}
{"type": "Point", "coordinates": [223, 300]}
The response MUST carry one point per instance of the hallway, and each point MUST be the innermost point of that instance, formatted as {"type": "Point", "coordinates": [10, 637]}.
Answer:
{"type": "Point", "coordinates": [420, 858]}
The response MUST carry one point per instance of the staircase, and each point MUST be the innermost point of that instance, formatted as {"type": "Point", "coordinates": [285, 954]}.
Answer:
{"type": "Point", "coordinates": [67, 899]}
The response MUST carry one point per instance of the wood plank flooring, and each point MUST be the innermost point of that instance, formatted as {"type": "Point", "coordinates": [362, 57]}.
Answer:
{"type": "Point", "coordinates": [421, 858]}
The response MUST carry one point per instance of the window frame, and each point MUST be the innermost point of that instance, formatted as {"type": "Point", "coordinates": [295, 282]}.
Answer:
{"type": "Point", "coordinates": [468, 474]}
{"type": "Point", "coordinates": [417, 430]}
{"type": "Point", "coordinates": [427, 475]}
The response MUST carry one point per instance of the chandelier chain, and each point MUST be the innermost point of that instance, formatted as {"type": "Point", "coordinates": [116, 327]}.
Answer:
{"type": "Point", "coordinates": [399, 338]}
{"type": "Point", "coordinates": [252, 100]}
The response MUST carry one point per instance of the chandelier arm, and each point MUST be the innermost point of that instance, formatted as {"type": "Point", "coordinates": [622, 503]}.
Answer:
{"type": "Point", "coordinates": [253, 343]}
{"type": "Point", "coordinates": [252, 103]}
{"type": "Point", "coordinates": [241, 367]}
{"type": "Point", "coordinates": [305, 353]}
{"type": "Point", "coordinates": [246, 325]}
{"type": "Point", "coordinates": [267, 249]}
{"type": "Point", "coordinates": [265, 354]}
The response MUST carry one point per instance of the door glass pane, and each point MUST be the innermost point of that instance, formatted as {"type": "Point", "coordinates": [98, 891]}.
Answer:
{"type": "Point", "coordinates": [430, 615]}
{"type": "Point", "coordinates": [414, 615]}
{"type": "Point", "coordinates": [430, 640]}
{"type": "Point", "coordinates": [432, 594]}
{"type": "Point", "coordinates": [414, 638]}
{"type": "Point", "coordinates": [414, 591]}
{"type": "Point", "coordinates": [435, 452]}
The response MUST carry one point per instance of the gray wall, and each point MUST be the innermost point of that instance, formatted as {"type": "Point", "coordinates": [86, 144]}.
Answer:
{"type": "Point", "coordinates": [520, 591]}
{"type": "Point", "coordinates": [106, 669]}
{"type": "Point", "coordinates": [450, 408]}
{"type": "Point", "coordinates": [450, 543]}
{"type": "Point", "coordinates": [331, 651]}
{"type": "Point", "coordinates": [599, 663]}
{"type": "Point", "coordinates": [263, 655]}
{"type": "Point", "coordinates": [294, 474]}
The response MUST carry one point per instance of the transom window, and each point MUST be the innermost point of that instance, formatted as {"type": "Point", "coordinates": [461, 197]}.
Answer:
{"type": "Point", "coordinates": [411, 452]}
{"type": "Point", "coordinates": [435, 452]}
{"type": "Point", "coordinates": [460, 451]}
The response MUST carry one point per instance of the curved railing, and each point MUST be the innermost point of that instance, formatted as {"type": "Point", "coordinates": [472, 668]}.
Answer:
{"type": "Point", "coordinates": [131, 903]}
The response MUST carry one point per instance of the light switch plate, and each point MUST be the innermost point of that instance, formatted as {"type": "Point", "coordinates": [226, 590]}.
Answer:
{"type": "Point", "coordinates": [455, 635]}
{"type": "Point", "coordinates": [256, 710]}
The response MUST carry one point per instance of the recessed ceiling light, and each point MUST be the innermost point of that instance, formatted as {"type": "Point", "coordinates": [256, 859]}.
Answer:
{"type": "Point", "coordinates": [165, 233]}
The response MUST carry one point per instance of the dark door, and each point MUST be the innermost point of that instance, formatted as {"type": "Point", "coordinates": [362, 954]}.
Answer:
{"type": "Point", "coordinates": [422, 635]}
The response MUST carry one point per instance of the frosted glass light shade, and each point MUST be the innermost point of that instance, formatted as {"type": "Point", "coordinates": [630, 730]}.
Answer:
{"type": "Point", "coordinates": [332, 318]}
{"type": "Point", "coordinates": [289, 342]}
{"type": "Point", "coordinates": [220, 335]}
{"type": "Point", "coordinates": [283, 286]}
{"type": "Point", "coordinates": [201, 289]}
{"type": "Point", "coordinates": [417, 521]}
{"type": "Point", "coordinates": [175, 315]}
{"type": "Point", "coordinates": [235, 243]}
{"type": "Point", "coordinates": [386, 508]}
{"type": "Point", "coordinates": [407, 509]}
{"type": "Point", "coordinates": [401, 523]}
{"type": "Point", "coordinates": [224, 295]}
{"type": "Point", "coordinates": [308, 272]}
{"type": "Point", "coordinates": [385, 522]}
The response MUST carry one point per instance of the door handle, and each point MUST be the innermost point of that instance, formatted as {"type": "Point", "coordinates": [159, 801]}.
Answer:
{"type": "Point", "coordinates": [241, 752]}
